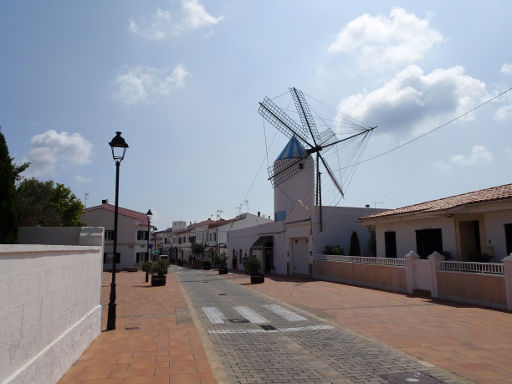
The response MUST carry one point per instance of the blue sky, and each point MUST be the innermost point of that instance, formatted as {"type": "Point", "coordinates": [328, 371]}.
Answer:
{"type": "Point", "coordinates": [182, 81]}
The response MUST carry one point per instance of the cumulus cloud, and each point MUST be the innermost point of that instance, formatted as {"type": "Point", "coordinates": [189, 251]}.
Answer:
{"type": "Point", "coordinates": [413, 102]}
{"type": "Point", "coordinates": [479, 156]}
{"type": "Point", "coordinates": [51, 148]}
{"type": "Point", "coordinates": [146, 84]}
{"type": "Point", "coordinates": [162, 25]}
{"type": "Point", "coordinates": [395, 40]}
{"type": "Point", "coordinates": [506, 69]}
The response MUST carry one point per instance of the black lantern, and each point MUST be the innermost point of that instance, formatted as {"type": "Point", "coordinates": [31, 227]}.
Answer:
{"type": "Point", "coordinates": [118, 146]}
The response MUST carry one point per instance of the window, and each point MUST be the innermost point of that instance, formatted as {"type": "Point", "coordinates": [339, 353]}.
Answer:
{"type": "Point", "coordinates": [142, 235]}
{"type": "Point", "coordinates": [508, 238]}
{"type": "Point", "coordinates": [240, 256]}
{"type": "Point", "coordinates": [109, 235]}
{"type": "Point", "coordinates": [390, 243]}
{"type": "Point", "coordinates": [179, 240]}
{"type": "Point", "coordinates": [214, 236]}
{"type": "Point", "coordinates": [428, 241]}
{"type": "Point", "coordinates": [140, 257]}
{"type": "Point", "coordinates": [107, 258]}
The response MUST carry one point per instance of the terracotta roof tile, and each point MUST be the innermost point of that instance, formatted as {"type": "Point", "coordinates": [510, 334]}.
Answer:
{"type": "Point", "coordinates": [139, 216]}
{"type": "Point", "coordinates": [500, 192]}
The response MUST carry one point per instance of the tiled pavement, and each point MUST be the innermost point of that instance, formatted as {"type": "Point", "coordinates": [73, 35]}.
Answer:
{"type": "Point", "coordinates": [470, 341]}
{"type": "Point", "coordinates": [155, 350]}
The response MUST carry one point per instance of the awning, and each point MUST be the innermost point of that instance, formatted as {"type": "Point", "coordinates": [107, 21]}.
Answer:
{"type": "Point", "coordinates": [264, 242]}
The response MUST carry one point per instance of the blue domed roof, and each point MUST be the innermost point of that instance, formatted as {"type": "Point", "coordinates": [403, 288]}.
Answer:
{"type": "Point", "coordinates": [292, 149]}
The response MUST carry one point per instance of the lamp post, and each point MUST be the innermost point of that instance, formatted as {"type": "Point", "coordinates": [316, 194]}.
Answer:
{"type": "Point", "coordinates": [118, 146]}
{"type": "Point", "coordinates": [148, 216]}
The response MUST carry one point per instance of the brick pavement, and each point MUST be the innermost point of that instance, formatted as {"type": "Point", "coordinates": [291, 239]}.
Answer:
{"type": "Point", "coordinates": [159, 351]}
{"type": "Point", "coordinates": [257, 341]}
{"type": "Point", "coordinates": [470, 341]}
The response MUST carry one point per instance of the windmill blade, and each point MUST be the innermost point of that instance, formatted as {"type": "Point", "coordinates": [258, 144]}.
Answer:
{"type": "Point", "coordinates": [305, 115]}
{"type": "Point", "coordinates": [285, 169]}
{"type": "Point", "coordinates": [279, 119]}
{"type": "Point", "coordinates": [331, 175]}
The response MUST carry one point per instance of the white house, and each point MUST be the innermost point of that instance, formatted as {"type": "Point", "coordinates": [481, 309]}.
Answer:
{"type": "Point", "coordinates": [288, 245]}
{"type": "Point", "coordinates": [132, 234]}
{"type": "Point", "coordinates": [463, 227]}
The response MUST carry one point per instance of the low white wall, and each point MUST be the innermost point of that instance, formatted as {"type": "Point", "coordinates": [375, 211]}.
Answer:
{"type": "Point", "coordinates": [50, 309]}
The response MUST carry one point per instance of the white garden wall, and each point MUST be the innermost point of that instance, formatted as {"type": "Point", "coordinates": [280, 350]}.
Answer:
{"type": "Point", "coordinates": [50, 309]}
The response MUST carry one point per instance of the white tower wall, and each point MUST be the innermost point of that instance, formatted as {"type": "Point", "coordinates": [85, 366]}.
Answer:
{"type": "Point", "coordinates": [298, 187]}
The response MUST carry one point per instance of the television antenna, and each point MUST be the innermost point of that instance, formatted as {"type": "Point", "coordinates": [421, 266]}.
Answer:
{"type": "Point", "coordinates": [315, 142]}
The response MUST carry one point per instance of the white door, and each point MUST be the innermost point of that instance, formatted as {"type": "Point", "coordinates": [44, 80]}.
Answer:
{"type": "Point", "coordinates": [300, 258]}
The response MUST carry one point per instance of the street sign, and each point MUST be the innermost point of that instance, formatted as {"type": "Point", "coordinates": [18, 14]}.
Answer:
{"type": "Point", "coordinates": [150, 246]}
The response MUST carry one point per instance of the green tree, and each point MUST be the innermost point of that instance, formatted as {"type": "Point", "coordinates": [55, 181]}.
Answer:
{"type": "Point", "coordinates": [8, 213]}
{"type": "Point", "coordinates": [47, 204]}
{"type": "Point", "coordinates": [355, 248]}
{"type": "Point", "coordinates": [372, 241]}
{"type": "Point", "coordinates": [197, 248]}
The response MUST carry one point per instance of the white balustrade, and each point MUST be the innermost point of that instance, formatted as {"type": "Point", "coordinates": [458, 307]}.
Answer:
{"type": "Point", "coordinates": [462, 266]}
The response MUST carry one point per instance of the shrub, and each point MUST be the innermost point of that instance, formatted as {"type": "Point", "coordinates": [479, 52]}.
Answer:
{"type": "Point", "coordinates": [333, 250]}
{"type": "Point", "coordinates": [252, 265]}
{"type": "Point", "coordinates": [355, 248]}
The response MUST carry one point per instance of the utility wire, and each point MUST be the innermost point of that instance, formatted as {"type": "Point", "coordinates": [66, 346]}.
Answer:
{"type": "Point", "coordinates": [431, 131]}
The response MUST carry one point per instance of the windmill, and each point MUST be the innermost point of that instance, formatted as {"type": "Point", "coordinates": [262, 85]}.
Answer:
{"type": "Point", "coordinates": [315, 142]}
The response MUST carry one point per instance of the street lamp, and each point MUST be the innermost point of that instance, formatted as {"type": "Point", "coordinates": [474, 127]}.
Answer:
{"type": "Point", "coordinates": [148, 216]}
{"type": "Point", "coordinates": [118, 146]}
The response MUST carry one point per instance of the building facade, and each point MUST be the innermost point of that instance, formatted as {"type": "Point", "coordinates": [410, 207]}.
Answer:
{"type": "Point", "coordinates": [473, 226]}
{"type": "Point", "coordinates": [132, 237]}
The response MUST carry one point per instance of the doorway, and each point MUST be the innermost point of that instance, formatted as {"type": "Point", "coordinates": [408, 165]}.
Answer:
{"type": "Point", "coordinates": [469, 239]}
{"type": "Point", "coordinates": [300, 256]}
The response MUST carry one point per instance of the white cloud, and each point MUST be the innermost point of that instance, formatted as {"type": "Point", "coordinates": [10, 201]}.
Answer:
{"type": "Point", "coordinates": [82, 179]}
{"type": "Point", "coordinates": [503, 113]}
{"type": "Point", "coordinates": [395, 41]}
{"type": "Point", "coordinates": [506, 69]}
{"type": "Point", "coordinates": [479, 156]}
{"type": "Point", "coordinates": [147, 84]}
{"type": "Point", "coordinates": [414, 102]}
{"type": "Point", "coordinates": [52, 148]}
{"type": "Point", "coordinates": [162, 25]}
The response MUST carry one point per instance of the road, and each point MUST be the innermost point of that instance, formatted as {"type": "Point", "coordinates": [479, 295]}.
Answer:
{"type": "Point", "coordinates": [256, 339]}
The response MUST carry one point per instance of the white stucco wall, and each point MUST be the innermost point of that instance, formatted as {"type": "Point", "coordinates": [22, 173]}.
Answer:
{"type": "Point", "coordinates": [50, 309]}
{"type": "Point", "coordinates": [495, 231]}
{"type": "Point", "coordinates": [338, 225]}
{"type": "Point", "coordinates": [406, 235]}
{"type": "Point", "coordinates": [127, 244]}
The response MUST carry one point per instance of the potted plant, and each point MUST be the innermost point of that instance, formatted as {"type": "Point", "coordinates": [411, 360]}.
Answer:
{"type": "Point", "coordinates": [207, 264]}
{"type": "Point", "coordinates": [223, 265]}
{"type": "Point", "coordinates": [253, 266]}
{"type": "Point", "coordinates": [158, 271]}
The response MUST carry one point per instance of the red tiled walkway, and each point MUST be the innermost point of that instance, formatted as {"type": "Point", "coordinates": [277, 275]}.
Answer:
{"type": "Point", "coordinates": [160, 351]}
{"type": "Point", "coordinates": [470, 341]}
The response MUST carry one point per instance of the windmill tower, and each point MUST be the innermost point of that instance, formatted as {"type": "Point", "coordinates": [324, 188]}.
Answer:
{"type": "Point", "coordinates": [298, 187]}
{"type": "Point", "coordinates": [289, 171]}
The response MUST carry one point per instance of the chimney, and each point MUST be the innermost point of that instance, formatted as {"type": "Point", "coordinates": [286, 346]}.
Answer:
{"type": "Point", "coordinates": [259, 213]}
{"type": "Point", "coordinates": [104, 201]}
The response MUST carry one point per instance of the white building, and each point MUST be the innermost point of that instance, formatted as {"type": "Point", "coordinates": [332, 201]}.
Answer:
{"type": "Point", "coordinates": [463, 227]}
{"type": "Point", "coordinates": [288, 245]}
{"type": "Point", "coordinates": [132, 237]}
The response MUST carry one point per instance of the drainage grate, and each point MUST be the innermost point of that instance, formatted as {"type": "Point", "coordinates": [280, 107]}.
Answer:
{"type": "Point", "coordinates": [268, 327]}
{"type": "Point", "coordinates": [222, 294]}
{"type": "Point", "coordinates": [205, 282]}
{"type": "Point", "coordinates": [238, 321]}
{"type": "Point", "coordinates": [132, 328]}
{"type": "Point", "coordinates": [183, 316]}
{"type": "Point", "coordinates": [410, 377]}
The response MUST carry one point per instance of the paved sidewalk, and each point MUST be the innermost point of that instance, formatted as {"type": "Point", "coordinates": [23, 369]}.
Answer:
{"type": "Point", "coordinates": [155, 340]}
{"type": "Point", "coordinates": [472, 342]}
